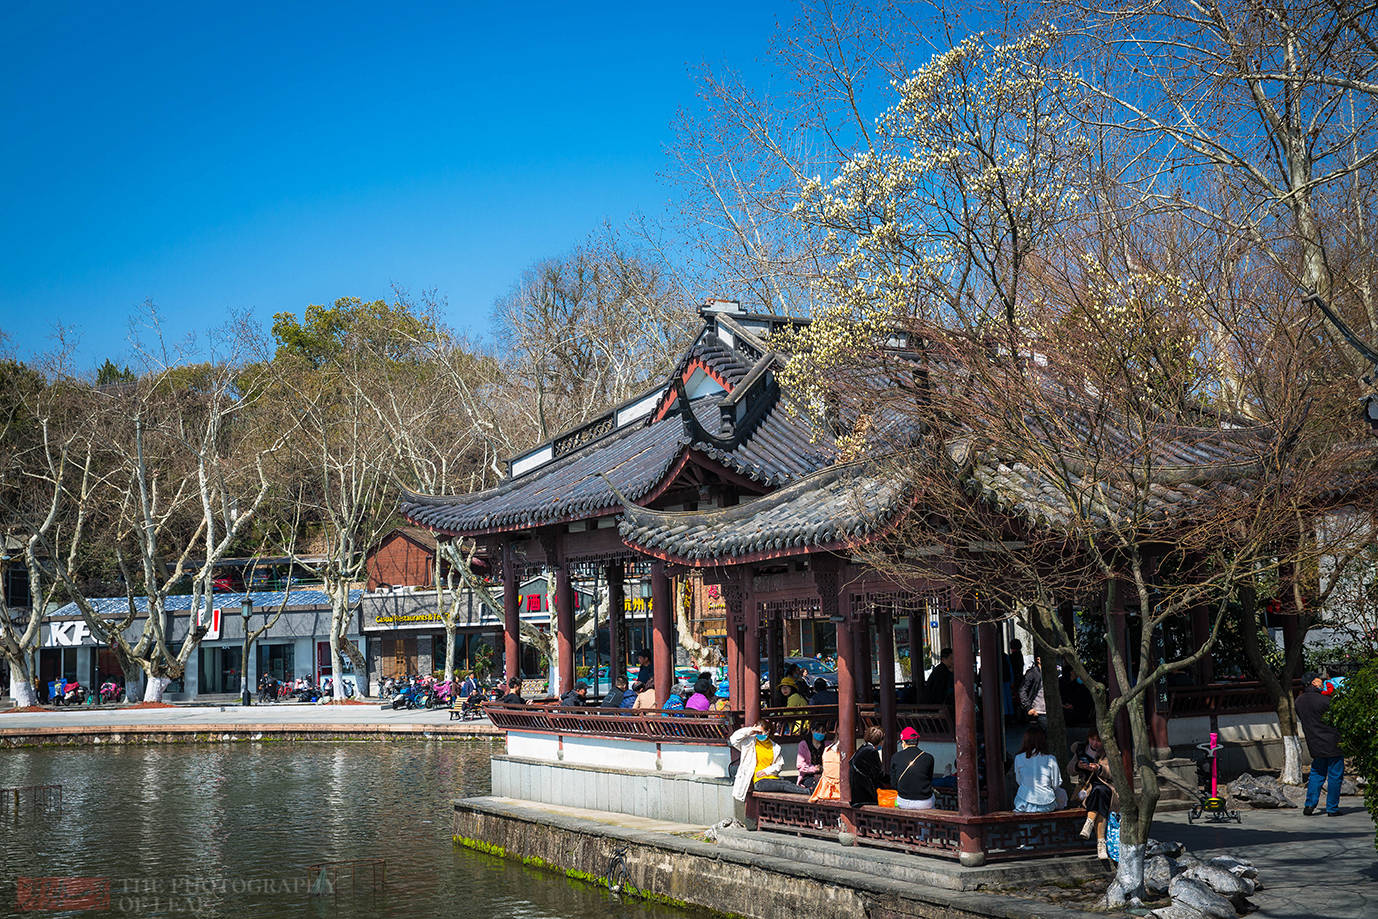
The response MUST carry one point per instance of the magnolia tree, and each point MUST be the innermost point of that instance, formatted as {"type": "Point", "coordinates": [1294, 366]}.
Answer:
{"type": "Point", "coordinates": [1043, 344]}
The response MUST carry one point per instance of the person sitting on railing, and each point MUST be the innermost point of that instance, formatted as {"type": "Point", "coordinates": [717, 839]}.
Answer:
{"type": "Point", "coordinates": [760, 763]}
{"type": "Point", "coordinates": [646, 699]}
{"type": "Point", "coordinates": [722, 699]}
{"type": "Point", "coordinates": [1097, 795]}
{"type": "Point", "coordinates": [793, 697]}
{"type": "Point", "coordinates": [911, 773]}
{"type": "Point", "coordinates": [822, 693]}
{"type": "Point", "coordinates": [1037, 773]}
{"type": "Point", "coordinates": [514, 692]}
{"type": "Point", "coordinates": [620, 696]}
{"type": "Point", "coordinates": [701, 700]}
{"type": "Point", "coordinates": [809, 759]}
{"type": "Point", "coordinates": [829, 787]}
{"type": "Point", "coordinates": [673, 702]}
{"type": "Point", "coordinates": [576, 696]}
{"type": "Point", "coordinates": [868, 775]}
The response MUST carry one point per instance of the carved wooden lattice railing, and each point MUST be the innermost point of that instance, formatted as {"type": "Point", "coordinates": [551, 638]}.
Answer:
{"type": "Point", "coordinates": [1000, 835]}
{"type": "Point", "coordinates": [628, 724]}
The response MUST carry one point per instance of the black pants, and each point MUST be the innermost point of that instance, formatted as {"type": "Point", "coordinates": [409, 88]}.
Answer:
{"type": "Point", "coordinates": [779, 785]}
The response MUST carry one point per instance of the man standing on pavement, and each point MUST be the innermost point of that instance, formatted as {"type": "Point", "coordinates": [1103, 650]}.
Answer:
{"type": "Point", "coordinates": [1327, 763]}
{"type": "Point", "coordinates": [1031, 694]}
{"type": "Point", "coordinates": [645, 673]}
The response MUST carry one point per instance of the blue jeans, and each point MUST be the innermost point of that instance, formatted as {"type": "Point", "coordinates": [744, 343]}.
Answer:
{"type": "Point", "coordinates": [1325, 770]}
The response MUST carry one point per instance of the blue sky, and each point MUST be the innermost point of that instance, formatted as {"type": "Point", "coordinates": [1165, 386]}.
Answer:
{"type": "Point", "coordinates": [269, 156]}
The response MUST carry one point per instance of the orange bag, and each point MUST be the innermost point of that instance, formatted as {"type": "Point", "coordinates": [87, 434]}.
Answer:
{"type": "Point", "coordinates": [886, 797]}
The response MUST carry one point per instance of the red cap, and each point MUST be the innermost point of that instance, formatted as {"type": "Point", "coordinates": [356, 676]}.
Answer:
{"type": "Point", "coordinates": [909, 734]}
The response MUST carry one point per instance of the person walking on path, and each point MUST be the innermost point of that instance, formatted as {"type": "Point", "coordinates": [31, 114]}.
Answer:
{"type": "Point", "coordinates": [1327, 763]}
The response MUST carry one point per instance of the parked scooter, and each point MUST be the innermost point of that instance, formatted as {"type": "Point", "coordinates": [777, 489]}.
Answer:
{"type": "Point", "coordinates": [110, 691]}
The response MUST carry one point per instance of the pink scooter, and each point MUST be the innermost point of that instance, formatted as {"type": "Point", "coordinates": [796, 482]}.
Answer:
{"type": "Point", "coordinates": [1215, 808]}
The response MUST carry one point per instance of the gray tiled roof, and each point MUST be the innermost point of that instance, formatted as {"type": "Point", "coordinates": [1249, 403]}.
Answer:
{"type": "Point", "coordinates": [635, 459]}
{"type": "Point", "coordinates": [829, 509]}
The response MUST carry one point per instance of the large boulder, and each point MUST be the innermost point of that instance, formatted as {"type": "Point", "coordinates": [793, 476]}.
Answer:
{"type": "Point", "coordinates": [1223, 881]}
{"type": "Point", "coordinates": [1199, 896]}
{"type": "Point", "coordinates": [1260, 791]}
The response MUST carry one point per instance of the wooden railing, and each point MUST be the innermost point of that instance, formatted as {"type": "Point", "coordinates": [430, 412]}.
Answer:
{"type": "Point", "coordinates": [1227, 699]}
{"type": "Point", "coordinates": [1002, 835]}
{"type": "Point", "coordinates": [933, 722]}
{"type": "Point", "coordinates": [631, 724]}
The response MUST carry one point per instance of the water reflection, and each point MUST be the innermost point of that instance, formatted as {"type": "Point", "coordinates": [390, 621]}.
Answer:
{"type": "Point", "coordinates": [229, 830]}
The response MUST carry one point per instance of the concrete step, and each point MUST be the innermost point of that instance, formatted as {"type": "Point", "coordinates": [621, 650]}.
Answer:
{"type": "Point", "coordinates": [931, 871]}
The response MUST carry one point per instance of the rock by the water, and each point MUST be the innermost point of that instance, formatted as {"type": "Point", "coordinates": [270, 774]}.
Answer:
{"type": "Point", "coordinates": [1197, 895]}
{"type": "Point", "coordinates": [1157, 875]}
{"type": "Point", "coordinates": [1260, 791]}
{"type": "Point", "coordinates": [1223, 881]}
{"type": "Point", "coordinates": [1170, 849]}
{"type": "Point", "coordinates": [1175, 911]}
{"type": "Point", "coordinates": [1233, 865]}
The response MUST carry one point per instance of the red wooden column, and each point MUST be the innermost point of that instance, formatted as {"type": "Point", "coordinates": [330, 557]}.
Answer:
{"type": "Point", "coordinates": [1118, 629]}
{"type": "Point", "coordinates": [918, 627]}
{"type": "Point", "coordinates": [732, 600]}
{"type": "Point", "coordinates": [993, 716]}
{"type": "Point", "coordinates": [564, 623]}
{"type": "Point", "coordinates": [662, 652]}
{"type": "Point", "coordinates": [885, 630]}
{"type": "Point", "coordinates": [861, 646]}
{"type": "Point", "coordinates": [775, 661]}
{"type": "Point", "coordinates": [616, 574]}
{"type": "Point", "coordinates": [964, 713]}
{"type": "Point", "coordinates": [825, 576]}
{"type": "Point", "coordinates": [751, 666]}
{"type": "Point", "coordinates": [511, 617]}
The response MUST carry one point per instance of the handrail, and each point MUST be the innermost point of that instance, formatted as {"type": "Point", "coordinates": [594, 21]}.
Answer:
{"type": "Point", "coordinates": [631, 724]}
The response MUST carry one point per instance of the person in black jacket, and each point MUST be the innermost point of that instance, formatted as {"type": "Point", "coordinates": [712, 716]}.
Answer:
{"type": "Point", "coordinates": [645, 673]}
{"type": "Point", "coordinates": [867, 772]}
{"type": "Point", "coordinates": [911, 773]}
{"type": "Point", "coordinates": [939, 690]}
{"type": "Point", "coordinates": [514, 692]}
{"type": "Point", "coordinates": [1327, 763]}
{"type": "Point", "coordinates": [576, 696]}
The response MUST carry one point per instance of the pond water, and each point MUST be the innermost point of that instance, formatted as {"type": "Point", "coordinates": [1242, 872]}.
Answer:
{"type": "Point", "coordinates": [232, 830]}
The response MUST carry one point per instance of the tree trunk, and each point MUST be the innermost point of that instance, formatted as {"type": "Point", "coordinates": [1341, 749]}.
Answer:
{"type": "Point", "coordinates": [450, 650]}
{"type": "Point", "coordinates": [21, 685]}
{"type": "Point", "coordinates": [155, 686]}
{"type": "Point", "coordinates": [1291, 740]}
{"type": "Point", "coordinates": [1277, 687]}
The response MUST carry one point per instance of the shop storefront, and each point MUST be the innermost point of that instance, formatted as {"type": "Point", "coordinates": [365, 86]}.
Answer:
{"type": "Point", "coordinates": [296, 643]}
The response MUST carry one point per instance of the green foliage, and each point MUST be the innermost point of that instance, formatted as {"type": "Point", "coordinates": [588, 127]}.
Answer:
{"type": "Point", "coordinates": [110, 373]}
{"type": "Point", "coordinates": [1354, 712]}
{"type": "Point", "coordinates": [326, 333]}
{"type": "Point", "coordinates": [482, 659]}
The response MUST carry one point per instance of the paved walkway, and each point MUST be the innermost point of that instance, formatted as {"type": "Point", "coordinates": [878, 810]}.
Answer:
{"type": "Point", "coordinates": [275, 715]}
{"type": "Point", "coordinates": [1311, 867]}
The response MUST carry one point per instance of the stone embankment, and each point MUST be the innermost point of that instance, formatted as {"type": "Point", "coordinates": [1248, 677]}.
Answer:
{"type": "Point", "coordinates": [676, 864]}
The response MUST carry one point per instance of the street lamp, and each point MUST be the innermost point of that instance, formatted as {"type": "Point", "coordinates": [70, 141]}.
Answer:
{"type": "Point", "coordinates": [246, 609]}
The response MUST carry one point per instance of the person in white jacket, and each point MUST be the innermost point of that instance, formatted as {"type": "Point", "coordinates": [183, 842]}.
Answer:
{"type": "Point", "coordinates": [1038, 774]}
{"type": "Point", "coordinates": [760, 763]}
